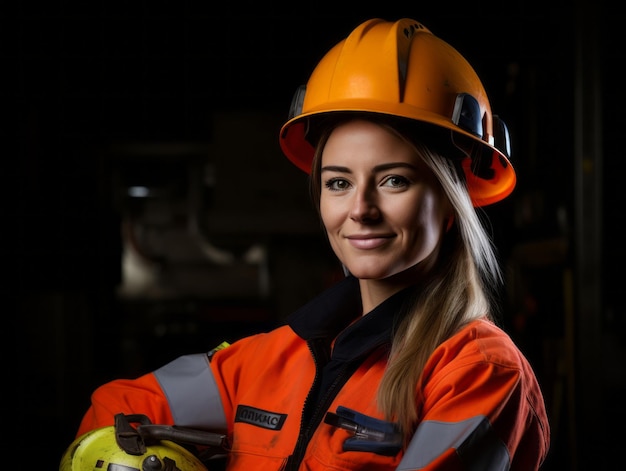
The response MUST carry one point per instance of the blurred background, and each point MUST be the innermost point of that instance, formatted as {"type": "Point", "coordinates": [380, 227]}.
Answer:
{"type": "Point", "coordinates": [147, 210]}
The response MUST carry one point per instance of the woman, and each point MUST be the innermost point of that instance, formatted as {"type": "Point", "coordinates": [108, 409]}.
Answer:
{"type": "Point", "coordinates": [400, 365]}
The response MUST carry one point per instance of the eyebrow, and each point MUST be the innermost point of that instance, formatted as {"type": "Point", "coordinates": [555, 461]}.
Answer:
{"type": "Point", "coordinates": [377, 168]}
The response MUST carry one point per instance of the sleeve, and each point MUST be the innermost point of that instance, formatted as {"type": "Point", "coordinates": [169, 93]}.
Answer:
{"type": "Point", "coordinates": [480, 415]}
{"type": "Point", "coordinates": [183, 392]}
{"type": "Point", "coordinates": [136, 396]}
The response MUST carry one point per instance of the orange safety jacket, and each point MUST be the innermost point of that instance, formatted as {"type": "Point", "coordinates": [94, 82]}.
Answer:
{"type": "Point", "coordinates": [288, 401]}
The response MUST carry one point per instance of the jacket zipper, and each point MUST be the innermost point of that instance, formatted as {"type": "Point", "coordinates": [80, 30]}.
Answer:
{"type": "Point", "coordinates": [307, 429]}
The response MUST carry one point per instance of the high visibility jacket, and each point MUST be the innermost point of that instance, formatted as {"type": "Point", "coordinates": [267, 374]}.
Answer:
{"type": "Point", "coordinates": [272, 392]}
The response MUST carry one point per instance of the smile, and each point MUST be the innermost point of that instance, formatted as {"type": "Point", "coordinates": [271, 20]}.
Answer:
{"type": "Point", "coordinates": [368, 243]}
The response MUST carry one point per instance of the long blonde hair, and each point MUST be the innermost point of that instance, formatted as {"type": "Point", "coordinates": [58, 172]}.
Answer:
{"type": "Point", "coordinates": [460, 289]}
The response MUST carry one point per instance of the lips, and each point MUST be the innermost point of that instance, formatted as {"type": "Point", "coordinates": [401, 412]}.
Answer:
{"type": "Point", "coordinates": [368, 242]}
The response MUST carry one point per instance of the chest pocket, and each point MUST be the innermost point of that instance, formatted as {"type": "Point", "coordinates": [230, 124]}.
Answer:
{"type": "Point", "coordinates": [348, 439]}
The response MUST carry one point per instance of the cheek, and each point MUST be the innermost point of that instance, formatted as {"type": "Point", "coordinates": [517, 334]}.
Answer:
{"type": "Point", "coordinates": [329, 218]}
{"type": "Point", "coordinates": [324, 212]}
{"type": "Point", "coordinates": [430, 214]}
{"type": "Point", "coordinates": [330, 212]}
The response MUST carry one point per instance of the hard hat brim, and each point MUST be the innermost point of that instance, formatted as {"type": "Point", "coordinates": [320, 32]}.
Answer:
{"type": "Point", "coordinates": [298, 149]}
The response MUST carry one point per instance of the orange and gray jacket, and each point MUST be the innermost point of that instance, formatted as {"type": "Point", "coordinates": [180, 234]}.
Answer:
{"type": "Point", "coordinates": [289, 401]}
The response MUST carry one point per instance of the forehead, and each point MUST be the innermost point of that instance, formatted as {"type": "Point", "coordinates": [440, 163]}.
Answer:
{"type": "Point", "coordinates": [365, 142]}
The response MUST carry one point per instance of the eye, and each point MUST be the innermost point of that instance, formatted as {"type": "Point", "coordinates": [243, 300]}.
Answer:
{"type": "Point", "coordinates": [337, 184]}
{"type": "Point", "coordinates": [396, 181]}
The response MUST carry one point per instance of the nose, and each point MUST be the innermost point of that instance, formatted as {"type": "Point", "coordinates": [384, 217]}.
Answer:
{"type": "Point", "coordinates": [364, 206]}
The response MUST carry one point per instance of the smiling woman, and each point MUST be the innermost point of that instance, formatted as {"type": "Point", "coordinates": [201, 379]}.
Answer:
{"type": "Point", "coordinates": [382, 207]}
{"type": "Point", "coordinates": [400, 365]}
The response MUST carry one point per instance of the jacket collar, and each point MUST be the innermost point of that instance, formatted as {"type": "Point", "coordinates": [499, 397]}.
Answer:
{"type": "Point", "coordinates": [330, 314]}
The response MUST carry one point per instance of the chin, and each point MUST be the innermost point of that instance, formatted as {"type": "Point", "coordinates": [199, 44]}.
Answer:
{"type": "Point", "coordinates": [369, 273]}
{"type": "Point", "coordinates": [400, 275]}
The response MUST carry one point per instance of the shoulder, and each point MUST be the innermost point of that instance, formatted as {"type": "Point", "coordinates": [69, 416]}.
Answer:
{"type": "Point", "coordinates": [479, 347]}
{"type": "Point", "coordinates": [485, 341]}
{"type": "Point", "coordinates": [483, 358]}
{"type": "Point", "coordinates": [261, 346]}
{"type": "Point", "coordinates": [480, 371]}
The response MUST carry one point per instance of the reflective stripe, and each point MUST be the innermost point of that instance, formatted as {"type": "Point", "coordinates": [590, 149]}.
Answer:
{"type": "Point", "coordinates": [473, 439]}
{"type": "Point", "coordinates": [192, 393]}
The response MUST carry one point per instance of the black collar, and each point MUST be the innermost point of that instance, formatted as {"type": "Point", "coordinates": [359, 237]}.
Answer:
{"type": "Point", "coordinates": [330, 314]}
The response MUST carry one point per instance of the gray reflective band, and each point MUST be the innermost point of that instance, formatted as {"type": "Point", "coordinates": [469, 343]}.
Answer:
{"type": "Point", "coordinates": [192, 393]}
{"type": "Point", "coordinates": [473, 439]}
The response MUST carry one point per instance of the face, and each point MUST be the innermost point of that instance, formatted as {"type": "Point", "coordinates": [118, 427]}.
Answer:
{"type": "Point", "coordinates": [382, 207]}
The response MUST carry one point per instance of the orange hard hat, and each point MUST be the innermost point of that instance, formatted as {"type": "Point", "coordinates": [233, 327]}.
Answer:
{"type": "Point", "coordinates": [402, 69]}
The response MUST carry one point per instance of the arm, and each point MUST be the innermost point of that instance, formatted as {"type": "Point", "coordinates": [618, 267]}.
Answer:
{"type": "Point", "coordinates": [482, 409]}
{"type": "Point", "coordinates": [183, 392]}
{"type": "Point", "coordinates": [139, 396]}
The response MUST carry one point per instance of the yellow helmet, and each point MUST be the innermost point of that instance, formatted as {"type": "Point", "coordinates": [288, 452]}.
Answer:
{"type": "Point", "coordinates": [402, 69]}
{"type": "Point", "coordinates": [125, 448]}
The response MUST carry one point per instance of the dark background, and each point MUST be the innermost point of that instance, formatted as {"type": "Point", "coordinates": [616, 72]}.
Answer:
{"type": "Point", "coordinates": [186, 98]}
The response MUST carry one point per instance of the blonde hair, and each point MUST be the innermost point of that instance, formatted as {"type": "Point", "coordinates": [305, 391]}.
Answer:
{"type": "Point", "coordinates": [459, 290]}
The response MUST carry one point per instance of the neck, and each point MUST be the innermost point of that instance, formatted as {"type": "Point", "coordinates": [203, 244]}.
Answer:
{"type": "Point", "coordinates": [374, 292]}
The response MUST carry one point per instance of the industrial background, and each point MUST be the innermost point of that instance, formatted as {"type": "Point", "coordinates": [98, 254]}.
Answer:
{"type": "Point", "coordinates": [148, 212]}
